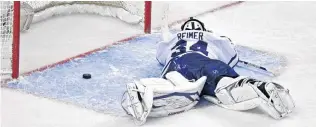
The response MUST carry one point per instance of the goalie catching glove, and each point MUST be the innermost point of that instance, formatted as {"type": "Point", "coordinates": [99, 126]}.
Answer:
{"type": "Point", "coordinates": [158, 97]}
{"type": "Point", "coordinates": [244, 93]}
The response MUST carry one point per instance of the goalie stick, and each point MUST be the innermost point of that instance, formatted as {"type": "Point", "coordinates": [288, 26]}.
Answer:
{"type": "Point", "coordinates": [255, 67]}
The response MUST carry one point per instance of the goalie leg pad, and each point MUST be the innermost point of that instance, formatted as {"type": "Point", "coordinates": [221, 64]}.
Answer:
{"type": "Point", "coordinates": [233, 96]}
{"type": "Point", "coordinates": [137, 101]}
{"type": "Point", "coordinates": [182, 97]}
{"type": "Point", "coordinates": [158, 97]}
{"type": "Point", "coordinates": [245, 93]}
{"type": "Point", "coordinates": [277, 101]}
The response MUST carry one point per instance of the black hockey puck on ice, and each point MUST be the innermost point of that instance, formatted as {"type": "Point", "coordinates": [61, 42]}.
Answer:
{"type": "Point", "coordinates": [86, 76]}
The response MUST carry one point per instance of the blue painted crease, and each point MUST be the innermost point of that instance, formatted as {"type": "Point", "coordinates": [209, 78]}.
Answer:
{"type": "Point", "coordinates": [111, 69]}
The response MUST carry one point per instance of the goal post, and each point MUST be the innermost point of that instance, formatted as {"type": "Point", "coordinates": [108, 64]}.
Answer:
{"type": "Point", "coordinates": [147, 22]}
{"type": "Point", "coordinates": [16, 40]}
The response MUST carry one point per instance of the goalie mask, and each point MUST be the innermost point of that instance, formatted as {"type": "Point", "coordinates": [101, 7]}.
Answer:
{"type": "Point", "coordinates": [193, 24]}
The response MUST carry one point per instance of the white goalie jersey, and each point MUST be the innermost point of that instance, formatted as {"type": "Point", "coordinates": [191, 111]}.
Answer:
{"type": "Point", "coordinates": [206, 43]}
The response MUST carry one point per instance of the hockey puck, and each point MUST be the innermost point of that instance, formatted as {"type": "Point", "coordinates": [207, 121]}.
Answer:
{"type": "Point", "coordinates": [86, 76]}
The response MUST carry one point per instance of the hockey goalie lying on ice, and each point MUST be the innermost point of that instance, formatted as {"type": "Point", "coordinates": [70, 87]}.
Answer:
{"type": "Point", "coordinates": [198, 63]}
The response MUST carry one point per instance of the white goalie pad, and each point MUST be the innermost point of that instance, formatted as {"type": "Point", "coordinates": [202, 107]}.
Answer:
{"type": "Point", "coordinates": [243, 93]}
{"type": "Point", "coordinates": [180, 97]}
{"type": "Point", "coordinates": [280, 103]}
{"type": "Point", "coordinates": [137, 101]}
{"type": "Point", "coordinates": [235, 98]}
{"type": "Point", "coordinates": [158, 97]}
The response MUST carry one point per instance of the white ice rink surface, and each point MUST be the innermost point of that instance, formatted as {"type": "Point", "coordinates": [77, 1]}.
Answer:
{"type": "Point", "coordinates": [287, 28]}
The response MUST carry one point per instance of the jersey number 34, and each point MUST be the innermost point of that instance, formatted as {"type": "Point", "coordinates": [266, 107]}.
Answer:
{"type": "Point", "coordinates": [181, 45]}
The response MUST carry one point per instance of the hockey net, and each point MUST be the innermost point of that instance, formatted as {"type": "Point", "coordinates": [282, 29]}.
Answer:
{"type": "Point", "coordinates": [19, 16]}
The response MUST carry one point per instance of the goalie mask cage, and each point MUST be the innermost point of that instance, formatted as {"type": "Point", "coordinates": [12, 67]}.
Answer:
{"type": "Point", "coordinates": [17, 16]}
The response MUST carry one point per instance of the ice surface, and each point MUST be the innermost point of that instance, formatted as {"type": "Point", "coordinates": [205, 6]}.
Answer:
{"type": "Point", "coordinates": [285, 28]}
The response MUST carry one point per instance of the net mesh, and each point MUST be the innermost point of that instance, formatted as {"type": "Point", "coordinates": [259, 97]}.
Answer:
{"type": "Point", "coordinates": [129, 11]}
{"type": "Point", "coordinates": [6, 21]}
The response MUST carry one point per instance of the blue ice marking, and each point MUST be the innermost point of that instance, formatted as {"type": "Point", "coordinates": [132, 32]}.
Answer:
{"type": "Point", "coordinates": [111, 69]}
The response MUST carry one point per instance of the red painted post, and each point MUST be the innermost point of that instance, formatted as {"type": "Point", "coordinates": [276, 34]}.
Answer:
{"type": "Point", "coordinates": [16, 40]}
{"type": "Point", "coordinates": [147, 17]}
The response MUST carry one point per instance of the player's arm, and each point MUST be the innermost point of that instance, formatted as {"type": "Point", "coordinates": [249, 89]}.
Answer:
{"type": "Point", "coordinates": [222, 47]}
{"type": "Point", "coordinates": [162, 52]}
{"type": "Point", "coordinates": [163, 49]}
{"type": "Point", "coordinates": [230, 50]}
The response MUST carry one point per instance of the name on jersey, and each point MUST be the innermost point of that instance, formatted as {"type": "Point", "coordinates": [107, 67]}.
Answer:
{"type": "Point", "coordinates": [190, 35]}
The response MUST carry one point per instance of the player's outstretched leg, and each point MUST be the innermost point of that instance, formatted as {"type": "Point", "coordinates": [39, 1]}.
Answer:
{"type": "Point", "coordinates": [243, 93]}
{"type": "Point", "coordinates": [158, 97]}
